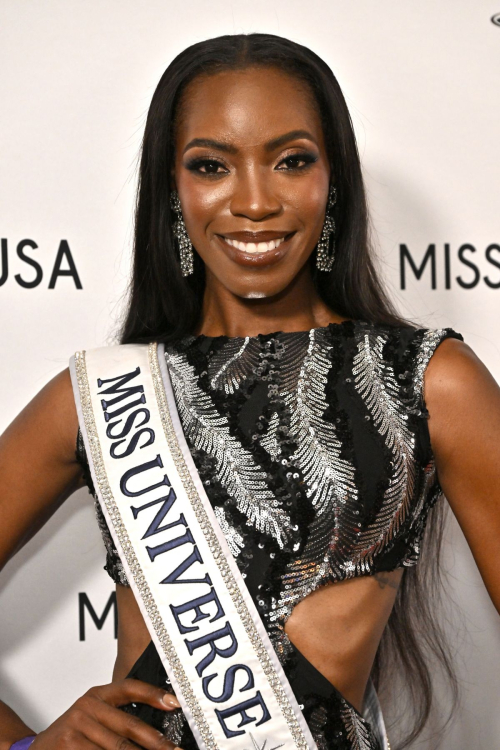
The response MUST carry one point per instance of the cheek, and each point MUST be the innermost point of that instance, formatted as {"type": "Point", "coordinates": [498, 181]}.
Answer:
{"type": "Point", "coordinates": [204, 203]}
{"type": "Point", "coordinates": [307, 200]}
{"type": "Point", "coordinates": [313, 203]}
{"type": "Point", "coordinates": [201, 202]}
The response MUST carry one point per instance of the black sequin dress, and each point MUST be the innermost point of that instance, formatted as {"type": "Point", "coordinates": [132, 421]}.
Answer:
{"type": "Point", "coordinates": [315, 454]}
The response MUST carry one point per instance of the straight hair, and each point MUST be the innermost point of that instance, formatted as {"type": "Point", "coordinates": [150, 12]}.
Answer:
{"type": "Point", "coordinates": [164, 306]}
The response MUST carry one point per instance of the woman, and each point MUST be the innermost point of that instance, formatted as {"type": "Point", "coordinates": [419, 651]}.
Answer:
{"type": "Point", "coordinates": [297, 385]}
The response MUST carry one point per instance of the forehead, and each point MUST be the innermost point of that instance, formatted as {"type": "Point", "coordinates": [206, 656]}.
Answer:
{"type": "Point", "coordinates": [250, 106]}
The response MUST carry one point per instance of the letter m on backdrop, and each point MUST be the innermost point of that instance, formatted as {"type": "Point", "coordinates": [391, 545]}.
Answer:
{"type": "Point", "coordinates": [84, 604]}
{"type": "Point", "coordinates": [405, 256]}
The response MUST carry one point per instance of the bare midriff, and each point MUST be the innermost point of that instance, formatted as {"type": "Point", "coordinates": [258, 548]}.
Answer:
{"type": "Point", "coordinates": [337, 628]}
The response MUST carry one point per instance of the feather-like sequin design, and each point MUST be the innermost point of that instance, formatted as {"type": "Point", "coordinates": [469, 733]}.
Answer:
{"type": "Point", "coordinates": [358, 731]}
{"type": "Point", "coordinates": [328, 477]}
{"type": "Point", "coordinates": [314, 451]}
{"type": "Point", "coordinates": [234, 539]}
{"type": "Point", "coordinates": [270, 441]}
{"type": "Point", "coordinates": [237, 470]}
{"type": "Point", "coordinates": [229, 367]}
{"type": "Point", "coordinates": [375, 382]}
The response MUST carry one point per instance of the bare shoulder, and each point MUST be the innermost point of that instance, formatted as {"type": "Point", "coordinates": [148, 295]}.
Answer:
{"type": "Point", "coordinates": [57, 397]}
{"type": "Point", "coordinates": [451, 362]}
{"type": "Point", "coordinates": [454, 374]}
{"type": "Point", "coordinates": [51, 413]}
{"type": "Point", "coordinates": [462, 397]}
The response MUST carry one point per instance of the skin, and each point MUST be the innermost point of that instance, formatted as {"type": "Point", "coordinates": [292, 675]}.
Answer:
{"type": "Point", "coordinates": [253, 189]}
{"type": "Point", "coordinates": [338, 627]}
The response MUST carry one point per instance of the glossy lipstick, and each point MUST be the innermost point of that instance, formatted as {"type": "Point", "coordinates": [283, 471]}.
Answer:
{"type": "Point", "coordinates": [255, 248]}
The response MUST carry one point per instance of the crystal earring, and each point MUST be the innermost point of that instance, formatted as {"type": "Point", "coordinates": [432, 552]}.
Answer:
{"type": "Point", "coordinates": [324, 260]}
{"type": "Point", "coordinates": [180, 233]}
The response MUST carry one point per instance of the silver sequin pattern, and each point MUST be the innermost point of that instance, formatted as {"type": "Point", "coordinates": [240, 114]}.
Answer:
{"type": "Point", "coordinates": [295, 369]}
{"type": "Point", "coordinates": [337, 546]}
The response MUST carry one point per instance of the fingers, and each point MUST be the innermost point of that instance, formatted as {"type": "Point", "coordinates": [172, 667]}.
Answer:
{"type": "Point", "coordinates": [113, 729]}
{"type": "Point", "coordinates": [127, 733]}
{"type": "Point", "coordinates": [77, 740]}
{"type": "Point", "coordinates": [85, 744]}
{"type": "Point", "coordinates": [94, 721]}
{"type": "Point", "coordinates": [135, 691]}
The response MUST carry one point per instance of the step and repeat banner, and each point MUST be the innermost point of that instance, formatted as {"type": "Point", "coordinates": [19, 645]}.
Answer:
{"type": "Point", "coordinates": [422, 81]}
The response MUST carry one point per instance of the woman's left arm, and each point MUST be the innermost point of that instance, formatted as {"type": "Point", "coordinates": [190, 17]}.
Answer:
{"type": "Point", "coordinates": [463, 400]}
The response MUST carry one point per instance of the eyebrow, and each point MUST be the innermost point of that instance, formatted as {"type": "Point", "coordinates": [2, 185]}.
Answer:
{"type": "Point", "coordinates": [269, 146]}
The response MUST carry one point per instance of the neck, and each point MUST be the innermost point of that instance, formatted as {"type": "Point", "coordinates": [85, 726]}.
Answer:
{"type": "Point", "coordinates": [297, 308]}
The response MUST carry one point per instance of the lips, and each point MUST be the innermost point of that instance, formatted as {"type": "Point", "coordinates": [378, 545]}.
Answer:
{"type": "Point", "coordinates": [255, 248]}
{"type": "Point", "coordinates": [262, 236]}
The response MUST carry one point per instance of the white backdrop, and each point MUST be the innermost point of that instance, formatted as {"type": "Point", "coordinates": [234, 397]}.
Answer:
{"type": "Point", "coordinates": [422, 82]}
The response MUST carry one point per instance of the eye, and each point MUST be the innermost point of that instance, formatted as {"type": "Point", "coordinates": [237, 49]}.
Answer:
{"type": "Point", "coordinates": [205, 166]}
{"type": "Point", "coordinates": [294, 161]}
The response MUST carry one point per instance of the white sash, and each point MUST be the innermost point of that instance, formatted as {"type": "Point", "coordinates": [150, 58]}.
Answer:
{"type": "Point", "coordinates": [206, 628]}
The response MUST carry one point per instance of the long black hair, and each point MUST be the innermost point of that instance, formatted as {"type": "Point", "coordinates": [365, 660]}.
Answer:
{"type": "Point", "coordinates": [163, 305]}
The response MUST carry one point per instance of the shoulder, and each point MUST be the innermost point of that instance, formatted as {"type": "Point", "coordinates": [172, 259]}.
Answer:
{"type": "Point", "coordinates": [45, 431]}
{"type": "Point", "coordinates": [405, 353]}
{"type": "Point", "coordinates": [453, 365]}
{"type": "Point", "coordinates": [462, 398]}
{"type": "Point", "coordinates": [54, 408]}
{"type": "Point", "coordinates": [55, 401]}
{"type": "Point", "coordinates": [407, 348]}
{"type": "Point", "coordinates": [457, 381]}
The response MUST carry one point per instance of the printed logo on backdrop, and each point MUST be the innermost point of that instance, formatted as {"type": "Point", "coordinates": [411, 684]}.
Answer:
{"type": "Point", "coordinates": [496, 19]}
{"type": "Point", "coordinates": [30, 271]}
{"type": "Point", "coordinates": [438, 266]}
{"type": "Point", "coordinates": [86, 610]}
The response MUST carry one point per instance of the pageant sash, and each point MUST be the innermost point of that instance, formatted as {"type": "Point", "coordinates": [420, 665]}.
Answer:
{"type": "Point", "coordinates": [205, 626]}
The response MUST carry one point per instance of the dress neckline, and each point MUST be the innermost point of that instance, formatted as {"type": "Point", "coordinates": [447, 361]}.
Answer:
{"type": "Point", "coordinates": [345, 325]}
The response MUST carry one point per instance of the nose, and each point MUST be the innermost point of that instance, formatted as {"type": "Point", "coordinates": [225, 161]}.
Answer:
{"type": "Point", "coordinates": [254, 198]}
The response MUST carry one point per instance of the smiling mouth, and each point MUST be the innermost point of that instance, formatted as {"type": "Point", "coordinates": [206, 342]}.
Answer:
{"type": "Point", "coordinates": [256, 247]}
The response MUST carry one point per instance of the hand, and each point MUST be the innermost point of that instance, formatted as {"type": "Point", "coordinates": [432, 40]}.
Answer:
{"type": "Point", "coordinates": [94, 721]}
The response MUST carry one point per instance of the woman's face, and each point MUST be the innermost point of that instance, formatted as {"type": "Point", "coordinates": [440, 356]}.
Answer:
{"type": "Point", "coordinates": [253, 175]}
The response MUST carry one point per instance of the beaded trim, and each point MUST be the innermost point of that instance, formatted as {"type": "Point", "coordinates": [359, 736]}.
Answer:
{"type": "Point", "coordinates": [219, 556]}
{"type": "Point", "coordinates": [430, 340]}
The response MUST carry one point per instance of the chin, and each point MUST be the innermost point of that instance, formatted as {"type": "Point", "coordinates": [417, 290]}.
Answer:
{"type": "Point", "coordinates": [254, 295]}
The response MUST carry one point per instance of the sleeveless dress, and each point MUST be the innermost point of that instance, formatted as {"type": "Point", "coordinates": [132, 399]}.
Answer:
{"type": "Point", "coordinates": [314, 450]}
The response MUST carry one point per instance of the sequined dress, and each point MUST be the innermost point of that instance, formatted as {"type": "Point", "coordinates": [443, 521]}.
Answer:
{"type": "Point", "coordinates": [315, 454]}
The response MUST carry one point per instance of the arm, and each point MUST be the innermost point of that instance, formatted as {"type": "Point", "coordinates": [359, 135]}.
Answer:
{"type": "Point", "coordinates": [13, 728]}
{"type": "Point", "coordinates": [34, 452]}
{"type": "Point", "coordinates": [38, 467]}
{"type": "Point", "coordinates": [463, 400]}
{"type": "Point", "coordinates": [38, 471]}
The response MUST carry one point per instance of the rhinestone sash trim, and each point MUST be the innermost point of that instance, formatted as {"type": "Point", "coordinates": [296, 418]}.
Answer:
{"type": "Point", "coordinates": [131, 560]}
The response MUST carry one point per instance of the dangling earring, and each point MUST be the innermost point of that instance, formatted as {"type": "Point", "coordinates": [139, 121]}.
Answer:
{"type": "Point", "coordinates": [180, 233]}
{"type": "Point", "coordinates": [324, 261]}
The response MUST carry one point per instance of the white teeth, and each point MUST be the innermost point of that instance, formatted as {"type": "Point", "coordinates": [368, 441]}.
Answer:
{"type": "Point", "coordinates": [255, 247]}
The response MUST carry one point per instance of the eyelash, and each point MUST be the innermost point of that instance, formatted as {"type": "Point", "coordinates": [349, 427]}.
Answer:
{"type": "Point", "coordinates": [308, 158]}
